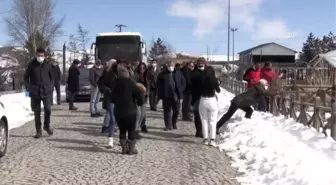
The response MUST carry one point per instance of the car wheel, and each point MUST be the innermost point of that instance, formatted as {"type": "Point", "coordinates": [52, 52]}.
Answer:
{"type": "Point", "coordinates": [3, 138]}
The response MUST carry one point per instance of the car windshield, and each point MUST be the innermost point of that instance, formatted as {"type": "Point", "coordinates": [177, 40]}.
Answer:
{"type": "Point", "coordinates": [84, 76]}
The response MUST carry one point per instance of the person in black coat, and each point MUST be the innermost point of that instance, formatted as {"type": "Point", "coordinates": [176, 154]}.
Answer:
{"type": "Point", "coordinates": [126, 96]}
{"type": "Point", "coordinates": [186, 70]}
{"type": "Point", "coordinates": [57, 82]}
{"type": "Point", "coordinates": [196, 76]}
{"type": "Point", "coordinates": [153, 73]}
{"type": "Point", "coordinates": [38, 80]}
{"type": "Point", "coordinates": [171, 85]}
{"type": "Point", "coordinates": [244, 101]}
{"type": "Point", "coordinates": [73, 83]}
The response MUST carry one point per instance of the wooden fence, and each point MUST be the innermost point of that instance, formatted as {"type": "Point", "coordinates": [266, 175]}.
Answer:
{"type": "Point", "coordinates": [297, 104]}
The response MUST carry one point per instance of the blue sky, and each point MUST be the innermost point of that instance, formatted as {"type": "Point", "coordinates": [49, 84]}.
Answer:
{"type": "Point", "coordinates": [191, 26]}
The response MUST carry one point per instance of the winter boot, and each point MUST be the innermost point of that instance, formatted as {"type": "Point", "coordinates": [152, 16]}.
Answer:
{"type": "Point", "coordinates": [47, 129]}
{"type": "Point", "coordinates": [110, 143]}
{"type": "Point", "coordinates": [144, 129]}
{"type": "Point", "coordinates": [73, 108]}
{"type": "Point", "coordinates": [131, 148]}
{"type": "Point", "coordinates": [137, 135]}
{"type": "Point", "coordinates": [38, 134]}
{"type": "Point", "coordinates": [104, 129]}
{"type": "Point", "coordinates": [124, 147]}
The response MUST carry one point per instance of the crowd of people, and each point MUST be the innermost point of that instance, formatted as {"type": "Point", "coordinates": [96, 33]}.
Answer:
{"type": "Point", "coordinates": [127, 87]}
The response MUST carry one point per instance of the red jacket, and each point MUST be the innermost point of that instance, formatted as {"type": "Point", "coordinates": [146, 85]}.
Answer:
{"type": "Point", "coordinates": [268, 74]}
{"type": "Point", "coordinates": [252, 76]}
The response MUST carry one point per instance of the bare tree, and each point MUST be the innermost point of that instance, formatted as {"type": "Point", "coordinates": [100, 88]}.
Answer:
{"type": "Point", "coordinates": [83, 36]}
{"type": "Point", "coordinates": [73, 44]}
{"type": "Point", "coordinates": [30, 19]}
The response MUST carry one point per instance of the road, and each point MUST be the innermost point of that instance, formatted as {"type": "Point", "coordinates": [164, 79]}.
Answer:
{"type": "Point", "coordinates": [77, 154]}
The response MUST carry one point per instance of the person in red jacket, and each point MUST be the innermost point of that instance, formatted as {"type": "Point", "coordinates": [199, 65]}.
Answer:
{"type": "Point", "coordinates": [252, 75]}
{"type": "Point", "coordinates": [269, 75]}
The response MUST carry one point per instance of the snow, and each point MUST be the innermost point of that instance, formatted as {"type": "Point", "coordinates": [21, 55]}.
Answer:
{"type": "Point", "coordinates": [18, 110]}
{"type": "Point", "coordinates": [269, 150]}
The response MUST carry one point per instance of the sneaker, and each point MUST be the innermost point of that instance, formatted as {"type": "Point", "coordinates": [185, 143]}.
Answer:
{"type": "Point", "coordinates": [110, 143]}
{"type": "Point", "coordinates": [213, 143]}
{"type": "Point", "coordinates": [206, 142]}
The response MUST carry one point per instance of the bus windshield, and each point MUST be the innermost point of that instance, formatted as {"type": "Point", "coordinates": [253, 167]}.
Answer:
{"type": "Point", "coordinates": [118, 47]}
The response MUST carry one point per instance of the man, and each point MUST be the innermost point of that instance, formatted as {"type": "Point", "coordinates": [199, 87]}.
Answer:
{"type": "Point", "coordinates": [38, 80]}
{"type": "Point", "coordinates": [252, 75]}
{"type": "Point", "coordinates": [186, 70]}
{"type": "Point", "coordinates": [269, 75]}
{"type": "Point", "coordinates": [73, 83]}
{"type": "Point", "coordinates": [196, 76]}
{"type": "Point", "coordinates": [57, 79]}
{"type": "Point", "coordinates": [95, 73]}
{"type": "Point", "coordinates": [244, 101]}
{"type": "Point", "coordinates": [171, 85]}
{"type": "Point", "coordinates": [153, 75]}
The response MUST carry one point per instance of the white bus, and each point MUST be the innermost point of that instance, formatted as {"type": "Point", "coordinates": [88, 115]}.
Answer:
{"type": "Point", "coordinates": [127, 46]}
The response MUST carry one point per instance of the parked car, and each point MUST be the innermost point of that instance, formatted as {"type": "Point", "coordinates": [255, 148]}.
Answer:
{"type": "Point", "coordinates": [84, 92]}
{"type": "Point", "coordinates": [4, 130]}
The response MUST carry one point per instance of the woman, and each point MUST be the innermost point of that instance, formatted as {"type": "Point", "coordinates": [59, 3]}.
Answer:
{"type": "Point", "coordinates": [106, 85]}
{"type": "Point", "coordinates": [126, 96]}
{"type": "Point", "coordinates": [208, 107]}
{"type": "Point", "coordinates": [143, 83]}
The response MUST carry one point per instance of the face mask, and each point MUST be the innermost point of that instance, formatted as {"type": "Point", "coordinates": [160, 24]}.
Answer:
{"type": "Point", "coordinates": [266, 87]}
{"type": "Point", "coordinates": [154, 65]}
{"type": "Point", "coordinates": [40, 59]}
{"type": "Point", "coordinates": [171, 68]}
{"type": "Point", "coordinates": [201, 68]}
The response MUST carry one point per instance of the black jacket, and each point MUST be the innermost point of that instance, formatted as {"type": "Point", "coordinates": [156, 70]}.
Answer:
{"type": "Point", "coordinates": [56, 73]}
{"type": "Point", "coordinates": [95, 74]}
{"type": "Point", "coordinates": [126, 96]}
{"type": "Point", "coordinates": [73, 79]}
{"type": "Point", "coordinates": [251, 97]}
{"type": "Point", "coordinates": [106, 85]}
{"type": "Point", "coordinates": [153, 76]}
{"type": "Point", "coordinates": [209, 84]}
{"type": "Point", "coordinates": [163, 84]}
{"type": "Point", "coordinates": [38, 79]}
{"type": "Point", "coordinates": [196, 76]}
{"type": "Point", "coordinates": [187, 75]}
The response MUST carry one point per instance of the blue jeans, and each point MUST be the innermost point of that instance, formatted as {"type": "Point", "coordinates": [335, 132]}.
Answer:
{"type": "Point", "coordinates": [109, 119]}
{"type": "Point", "coordinates": [141, 114]}
{"type": "Point", "coordinates": [94, 99]}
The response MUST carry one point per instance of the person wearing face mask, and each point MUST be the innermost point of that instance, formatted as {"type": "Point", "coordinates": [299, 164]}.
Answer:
{"type": "Point", "coordinates": [153, 72]}
{"type": "Point", "coordinates": [39, 82]}
{"type": "Point", "coordinates": [73, 82]}
{"type": "Point", "coordinates": [186, 70]}
{"type": "Point", "coordinates": [95, 73]}
{"type": "Point", "coordinates": [171, 85]}
{"type": "Point", "coordinates": [196, 76]}
{"type": "Point", "coordinates": [57, 79]}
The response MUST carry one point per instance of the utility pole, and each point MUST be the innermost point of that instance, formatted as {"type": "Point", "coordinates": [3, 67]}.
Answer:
{"type": "Point", "coordinates": [233, 37]}
{"type": "Point", "coordinates": [120, 26]}
{"type": "Point", "coordinates": [207, 47]}
{"type": "Point", "coordinates": [228, 40]}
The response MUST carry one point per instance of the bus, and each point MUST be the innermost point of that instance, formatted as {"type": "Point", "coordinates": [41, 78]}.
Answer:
{"type": "Point", "coordinates": [126, 46]}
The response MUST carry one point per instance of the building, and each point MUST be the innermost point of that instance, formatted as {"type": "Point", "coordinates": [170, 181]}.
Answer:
{"type": "Point", "coordinates": [272, 52]}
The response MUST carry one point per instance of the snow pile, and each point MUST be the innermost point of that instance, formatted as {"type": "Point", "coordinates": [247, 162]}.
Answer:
{"type": "Point", "coordinates": [270, 150]}
{"type": "Point", "coordinates": [18, 109]}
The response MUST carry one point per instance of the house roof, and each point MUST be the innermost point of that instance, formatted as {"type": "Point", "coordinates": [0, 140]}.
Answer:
{"type": "Point", "coordinates": [329, 57]}
{"type": "Point", "coordinates": [265, 44]}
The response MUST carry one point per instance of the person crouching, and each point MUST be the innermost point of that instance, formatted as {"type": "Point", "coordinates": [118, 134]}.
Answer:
{"type": "Point", "coordinates": [126, 96]}
{"type": "Point", "coordinates": [208, 107]}
{"type": "Point", "coordinates": [244, 102]}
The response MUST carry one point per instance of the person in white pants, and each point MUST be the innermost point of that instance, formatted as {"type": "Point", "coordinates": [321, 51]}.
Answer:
{"type": "Point", "coordinates": [208, 107]}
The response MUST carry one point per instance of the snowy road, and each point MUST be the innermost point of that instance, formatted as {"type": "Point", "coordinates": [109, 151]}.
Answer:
{"type": "Point", "coordinates": [76, 154]}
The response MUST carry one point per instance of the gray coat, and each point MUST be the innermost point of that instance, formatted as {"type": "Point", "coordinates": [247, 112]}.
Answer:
{"type": "Point", "coordinates": [95, 74]}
